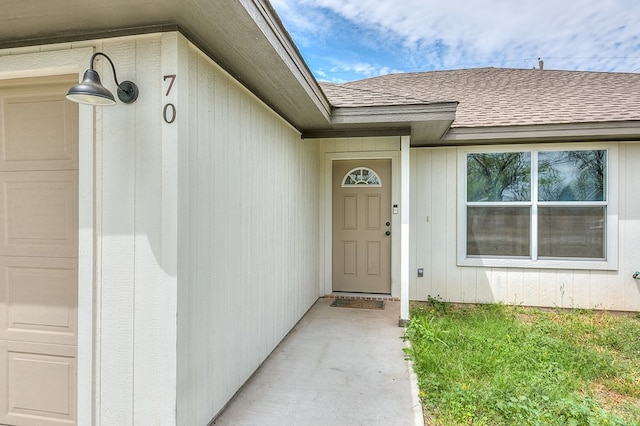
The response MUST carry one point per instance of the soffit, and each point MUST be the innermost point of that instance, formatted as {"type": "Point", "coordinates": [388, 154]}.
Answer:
{"type": "Point", "coordinates": [612, 131]}
{"type": "Point", "coordinates": [426, 123]}
{"type": "Point", "coordinates": [245, 37]}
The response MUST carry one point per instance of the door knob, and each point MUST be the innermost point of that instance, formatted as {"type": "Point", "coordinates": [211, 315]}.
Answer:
{"type": "Point", "coordinates": [388, 223]}
{"type": "Point", "coordinates": [387, 233]}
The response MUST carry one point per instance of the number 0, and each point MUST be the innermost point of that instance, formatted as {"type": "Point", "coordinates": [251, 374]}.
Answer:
{"type": "Point", "coordinates": [169, 113]}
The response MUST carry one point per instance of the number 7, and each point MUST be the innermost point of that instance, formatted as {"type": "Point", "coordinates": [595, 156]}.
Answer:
{"type": "Point", "coordinates": [173, 79]}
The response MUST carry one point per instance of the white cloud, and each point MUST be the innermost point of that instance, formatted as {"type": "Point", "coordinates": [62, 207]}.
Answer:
{"type": "Point", "coordinates": [581, 34]}
{"type": "Point", "coordinates": [304, 24]}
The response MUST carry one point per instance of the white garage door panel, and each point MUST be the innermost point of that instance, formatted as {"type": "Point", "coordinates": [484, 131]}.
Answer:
{"type": "Point", "coordinates": [39, 298]}
{"type": "Point", "coordinates": [38, 252]}
{"type": "Point", "coordinates": [39, 131]}
{"type": "Point", "coordinates": [38, 213]}
{"type": "Point", "coordinates": [39, 383]}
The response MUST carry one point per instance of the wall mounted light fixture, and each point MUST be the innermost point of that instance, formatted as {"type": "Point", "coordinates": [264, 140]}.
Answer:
{"type": "Point", "coordinates": [90, 90]}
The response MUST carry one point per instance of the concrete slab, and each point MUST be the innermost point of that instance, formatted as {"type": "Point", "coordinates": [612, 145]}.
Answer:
{"type": "Point", "coordinates": [338, 366]}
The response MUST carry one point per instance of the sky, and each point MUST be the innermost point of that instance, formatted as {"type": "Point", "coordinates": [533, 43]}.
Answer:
{"type": "Point", "coordinates": [346, 40]}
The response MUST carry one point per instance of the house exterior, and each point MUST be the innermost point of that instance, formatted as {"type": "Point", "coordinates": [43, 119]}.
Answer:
{"type": "Point", "coordinates": [154, 254]}
{"type": "Point", "coordinates": [578, 251]}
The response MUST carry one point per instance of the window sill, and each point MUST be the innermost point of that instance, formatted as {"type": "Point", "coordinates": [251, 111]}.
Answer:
{"type": "Point", "coordinates": [594, 265]}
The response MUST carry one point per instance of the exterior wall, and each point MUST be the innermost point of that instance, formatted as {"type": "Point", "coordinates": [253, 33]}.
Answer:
{"type": "Point", "coordinates": [135, 245]}
{"type": "Point", "coordinates": [127, 238]}
{"type": "Point", "coordinates": [248, 233]}
{"type": "Point", "coordinates": [434, 203]}
{"type": "Point", "coordinates": [357, 148]}
{"type": "Point", "coordinates": [211, 219]}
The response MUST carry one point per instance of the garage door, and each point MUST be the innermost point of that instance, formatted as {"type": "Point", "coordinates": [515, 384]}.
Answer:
{"type": "Point", "coordinates": [38, 252]}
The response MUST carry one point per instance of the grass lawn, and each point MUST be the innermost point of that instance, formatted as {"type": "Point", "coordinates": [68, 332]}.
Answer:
{"type": "Point", "coordinates": [509, 365]}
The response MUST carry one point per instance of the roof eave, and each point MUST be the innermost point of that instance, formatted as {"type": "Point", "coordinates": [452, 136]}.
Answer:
{"type": "Point", "coordinates": [425, 123]}
{"type": "Point", "coordinates": [558, 133]}
{"type": "Point", "coordinates": [317, 108]}
{"type": "Point", "coordinates": [245, 37]}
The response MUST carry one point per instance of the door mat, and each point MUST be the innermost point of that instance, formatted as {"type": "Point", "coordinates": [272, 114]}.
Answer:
{"type": "Point", "coordinates": [358, 304]}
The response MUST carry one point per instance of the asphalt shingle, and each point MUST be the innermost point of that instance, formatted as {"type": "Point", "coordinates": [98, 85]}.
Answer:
{"type": "Point", "coordinates": [501, 96]}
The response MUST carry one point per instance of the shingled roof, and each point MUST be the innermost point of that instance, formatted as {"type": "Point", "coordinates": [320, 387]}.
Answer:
{"type": "Point", "coordinates": [503, 97]}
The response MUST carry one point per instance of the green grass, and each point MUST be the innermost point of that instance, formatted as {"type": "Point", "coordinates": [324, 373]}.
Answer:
{"type": "Point", "coordinates": [509, 365]}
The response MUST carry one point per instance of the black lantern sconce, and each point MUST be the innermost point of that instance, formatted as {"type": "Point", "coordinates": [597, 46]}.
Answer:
{"type": "Point", "coordinates": [90, 90]}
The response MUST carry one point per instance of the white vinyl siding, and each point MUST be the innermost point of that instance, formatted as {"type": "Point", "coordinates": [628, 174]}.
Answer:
{"type": "Point", "coordinates": [435, 198]}
{"type": "Point", "coordinates": [198, 239]}
{"type": "Point", "coordinates": [248, 235]}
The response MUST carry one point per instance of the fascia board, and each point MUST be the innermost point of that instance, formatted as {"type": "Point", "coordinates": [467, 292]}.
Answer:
{"type": "Point", "coordinates": [572, 132]}
{"type": "Point", "coordinates": [430, 121]}
{"type": "Point", "coordinates": [393, 114]}
{"type": "Point", "coordinates": [273, 28]}
{"type": "Point", "coordinates": [245, 37]}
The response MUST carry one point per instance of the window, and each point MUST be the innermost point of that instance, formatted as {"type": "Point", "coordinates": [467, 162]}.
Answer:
{"type": "Point", "coordinates": [539, 208]}
{"type": "Point", "coordinates": [361, 176]}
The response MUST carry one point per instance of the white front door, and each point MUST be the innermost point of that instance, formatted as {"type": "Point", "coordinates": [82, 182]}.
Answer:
{"type": "Point", "coordinates": [38, 252]}
{"type": "Point", "coordinates": [362, 226]}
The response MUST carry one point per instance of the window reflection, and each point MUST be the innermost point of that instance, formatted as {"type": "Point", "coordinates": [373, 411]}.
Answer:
{"type": "Point", "coordinates": [572, 175]}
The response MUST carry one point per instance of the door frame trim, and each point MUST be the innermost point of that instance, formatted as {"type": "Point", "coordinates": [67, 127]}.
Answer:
{"type": "Point", "coordinates": [29, 62]}
{"type": "Point", "coordinates": [326, 222]}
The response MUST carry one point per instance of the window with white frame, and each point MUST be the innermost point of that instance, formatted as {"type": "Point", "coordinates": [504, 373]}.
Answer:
{"type": "Point", "coordinates": [537, 206]}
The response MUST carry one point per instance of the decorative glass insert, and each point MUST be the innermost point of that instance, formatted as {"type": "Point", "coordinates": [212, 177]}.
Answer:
{"type": "Point", "coordinates": [361, 176]}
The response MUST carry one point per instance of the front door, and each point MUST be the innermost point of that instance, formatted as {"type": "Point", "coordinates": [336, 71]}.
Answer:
{"type": "Point", "coordinates": [362, 226]}
{"type": "Point", "coordinates": [38, 252]}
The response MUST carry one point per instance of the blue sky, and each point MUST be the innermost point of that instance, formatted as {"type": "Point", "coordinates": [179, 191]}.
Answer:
{"type": "Point", "coordinates": [345, 40]}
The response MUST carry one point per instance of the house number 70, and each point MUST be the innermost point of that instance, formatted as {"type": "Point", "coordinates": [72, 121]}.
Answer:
{"type": "Point", "coordinates": [169, 110]}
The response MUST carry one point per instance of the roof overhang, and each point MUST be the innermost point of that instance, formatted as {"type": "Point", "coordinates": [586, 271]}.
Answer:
{"type": "Point", "coordinates": [245, 37]}
{"type": "Point", "coordinates": [425, 123]}
{"type": "Point", "coordinates": [571, 132]}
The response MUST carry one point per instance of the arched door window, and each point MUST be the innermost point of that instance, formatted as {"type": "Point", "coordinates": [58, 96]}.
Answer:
{"type": "Point", "coordinates": [361, 176]}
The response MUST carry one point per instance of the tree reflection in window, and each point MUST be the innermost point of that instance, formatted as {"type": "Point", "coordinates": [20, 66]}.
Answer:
{"type": "Point", "coordinates": [572, 175]}
{"type": "Point", "coordinates": [562, 193]}
{"type": "Point", "coordinates": [361, 176]}
{"type": "Point", "coordinates": [500, 176]}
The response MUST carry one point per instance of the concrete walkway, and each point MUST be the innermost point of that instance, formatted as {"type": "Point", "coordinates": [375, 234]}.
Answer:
{"type": "Point", "coordinates": [338, 366]}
